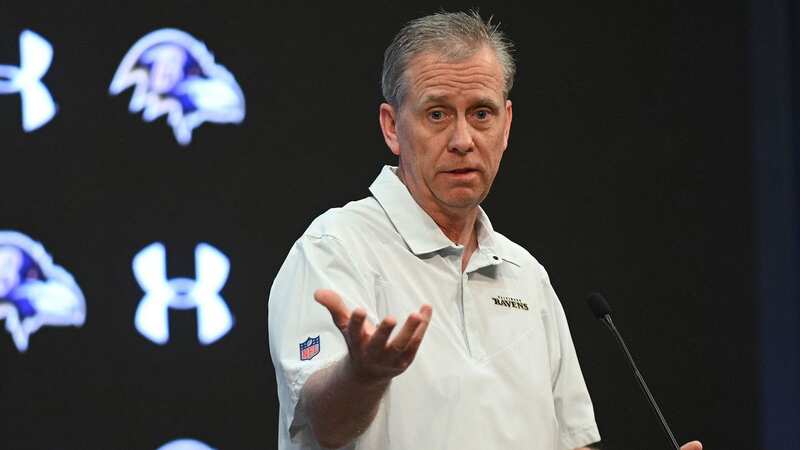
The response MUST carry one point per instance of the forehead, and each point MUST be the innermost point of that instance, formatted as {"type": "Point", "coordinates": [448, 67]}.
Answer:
{"type": "Point", "coordinates": [432, 75]}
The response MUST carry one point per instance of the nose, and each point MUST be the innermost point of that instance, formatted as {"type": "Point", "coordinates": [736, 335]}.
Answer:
{"type": "Point", "coordinates": [461, 139]}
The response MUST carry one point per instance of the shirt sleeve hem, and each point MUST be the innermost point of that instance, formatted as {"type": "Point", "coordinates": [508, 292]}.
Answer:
{"type": "Point", "coordinates": [580, 437]}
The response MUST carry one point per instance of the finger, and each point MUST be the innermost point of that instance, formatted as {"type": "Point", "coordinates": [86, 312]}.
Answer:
{"type": "Point", "coordinates": [403, 338]}
{"type": "Point", "coordinates": [355, 328]}
{"type": "Point", "coordinates": [400, 342]}
{"type": "Point", "coordinates": [694, 445]}
{"type": "Point", "coordinates": [426, 313]}
{"type": "Point", "coordinates": [377, 342]}
{"type": "Point", "coordinates": [335, 306]}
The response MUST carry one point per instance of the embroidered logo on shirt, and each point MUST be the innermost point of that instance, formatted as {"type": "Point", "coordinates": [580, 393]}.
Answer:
{"type": "Point", "coordinates": [309, 348]}
{"type": "Point", "coordinates": [510, 302]}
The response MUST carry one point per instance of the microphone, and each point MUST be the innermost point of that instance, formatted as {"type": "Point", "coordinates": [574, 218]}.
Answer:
{"type": "Point", "coordinates": [601, 310]}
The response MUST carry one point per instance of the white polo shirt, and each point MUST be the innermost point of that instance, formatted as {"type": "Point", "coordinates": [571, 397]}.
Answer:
{"type": "Point", "coordinates": [497, 368]}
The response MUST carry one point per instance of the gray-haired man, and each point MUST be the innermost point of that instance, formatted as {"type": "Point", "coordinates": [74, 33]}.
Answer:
{"type": "Point", "coordinates": [495, 367]}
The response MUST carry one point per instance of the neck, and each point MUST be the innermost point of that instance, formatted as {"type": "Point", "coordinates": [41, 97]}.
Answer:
{"type": "Point", "coordinates": [458, 224]}
{"type": "Point", "coordinates": [459, 228]}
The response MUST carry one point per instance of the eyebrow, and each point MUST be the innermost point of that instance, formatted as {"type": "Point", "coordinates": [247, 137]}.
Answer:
{"type": "Point", "coordinates": [433, 99]}
{"type": "Point", "coordinates": [482, 101]}
{"type": "Point", "coordinates": [488, 102]}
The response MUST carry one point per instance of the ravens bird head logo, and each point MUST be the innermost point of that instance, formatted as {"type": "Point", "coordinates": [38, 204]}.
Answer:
{"type": "Point", "coordinates": [174, 74]}
{"type": "Point", "coordinates": [34, 292]}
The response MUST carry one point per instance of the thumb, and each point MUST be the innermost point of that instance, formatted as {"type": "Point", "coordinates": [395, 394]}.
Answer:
{"type": "Point", "coordinates": [335, 306]}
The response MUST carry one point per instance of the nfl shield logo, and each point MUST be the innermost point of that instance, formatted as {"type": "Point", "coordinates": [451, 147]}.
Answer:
{"type": "Point", "coordinates": [309, 348]}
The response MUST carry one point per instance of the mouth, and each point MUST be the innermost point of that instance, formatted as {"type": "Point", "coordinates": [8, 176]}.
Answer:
{"type": "Point", "coordinates": [462, 171]}
{"type": "Point", "coordinates": [462, 175]}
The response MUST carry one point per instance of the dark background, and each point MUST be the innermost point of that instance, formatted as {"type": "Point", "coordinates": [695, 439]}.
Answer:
{"type": "Point", "coordinates": [643, 163]}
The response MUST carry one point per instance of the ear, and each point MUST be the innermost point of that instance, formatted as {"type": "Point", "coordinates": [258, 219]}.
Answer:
{"type": "Point", "coordinates": [507, 131]}
{"type": "Point", "coordinates": [388, 119]}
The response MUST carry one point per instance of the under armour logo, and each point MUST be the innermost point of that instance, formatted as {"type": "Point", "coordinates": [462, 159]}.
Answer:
{"type": "Point", "coordinates": [214, 319]}
{"type": "Point", "coordinates": [35, 55]}
{"type": "Point", "coordinates": [185, 444]}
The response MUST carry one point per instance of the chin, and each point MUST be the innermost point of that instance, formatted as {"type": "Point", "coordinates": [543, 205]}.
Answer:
{"type": "Point", "coordinates": [462, 200]}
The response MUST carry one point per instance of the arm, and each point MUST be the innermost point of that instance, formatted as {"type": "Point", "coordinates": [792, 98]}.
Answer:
{"type": "Point", "coordinates": [340, 407]}
{"type": "Point", "coordinates": [342, 400]}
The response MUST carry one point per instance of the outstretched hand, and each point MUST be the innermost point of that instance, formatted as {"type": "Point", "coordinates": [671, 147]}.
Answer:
{"type": "Point", "coordinates": [373, 356]}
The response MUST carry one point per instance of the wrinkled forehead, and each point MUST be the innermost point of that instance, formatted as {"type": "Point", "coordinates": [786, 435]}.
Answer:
{"type": "Point", "coordinates": [436, 75]}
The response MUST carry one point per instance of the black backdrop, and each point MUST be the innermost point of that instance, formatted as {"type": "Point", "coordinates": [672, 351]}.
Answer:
{"type": "Point", "coordinates": [629, 171]}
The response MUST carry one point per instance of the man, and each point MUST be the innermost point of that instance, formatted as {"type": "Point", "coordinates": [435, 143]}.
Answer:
{"type": "Point", "coordinates": [494, 367]}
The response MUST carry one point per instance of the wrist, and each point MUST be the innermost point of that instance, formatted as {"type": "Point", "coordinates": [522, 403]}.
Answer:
{"type": "Point", "coordinates": [361, 377]}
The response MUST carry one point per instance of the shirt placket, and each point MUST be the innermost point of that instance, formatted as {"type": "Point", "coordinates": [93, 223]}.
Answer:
{"type": "Point", "coordinates": [457, 254]}
{"type": "Point", "coordinates": [471, 319]}
{"type": "Point", "coordinates": [469, 308]}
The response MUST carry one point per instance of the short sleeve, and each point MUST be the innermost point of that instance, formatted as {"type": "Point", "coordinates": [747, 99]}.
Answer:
{"type": "Point", "coordinates": [573, 406]}
{"type": "Point", "coordinates": [294, 317]}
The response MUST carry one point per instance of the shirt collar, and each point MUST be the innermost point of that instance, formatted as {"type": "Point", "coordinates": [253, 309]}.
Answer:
{"type": "Point", "coordinates": [417, 228]}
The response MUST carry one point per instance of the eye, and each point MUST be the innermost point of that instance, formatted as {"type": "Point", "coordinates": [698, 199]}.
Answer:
{"type": "Point", "coordinates": [436, 115]}
{"type": "Point", "coordinates": [482, 114]}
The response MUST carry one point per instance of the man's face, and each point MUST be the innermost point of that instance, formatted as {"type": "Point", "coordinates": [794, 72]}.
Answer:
{"type": "Point", "coordinates": [451, 130]}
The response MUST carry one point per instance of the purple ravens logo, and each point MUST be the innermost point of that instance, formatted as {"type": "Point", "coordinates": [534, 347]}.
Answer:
{"type": "Point", "coordinates": [174, 74]}
{"type": "Point", "coordinates": [33, 291]}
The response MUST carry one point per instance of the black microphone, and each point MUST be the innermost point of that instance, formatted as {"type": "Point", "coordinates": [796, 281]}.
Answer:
{"type": "Point", "coordinates": [602, 311]}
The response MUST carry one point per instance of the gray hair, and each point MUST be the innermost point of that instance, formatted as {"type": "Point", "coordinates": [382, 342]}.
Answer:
{"type": "Point", "coordinates": [453, 35]}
